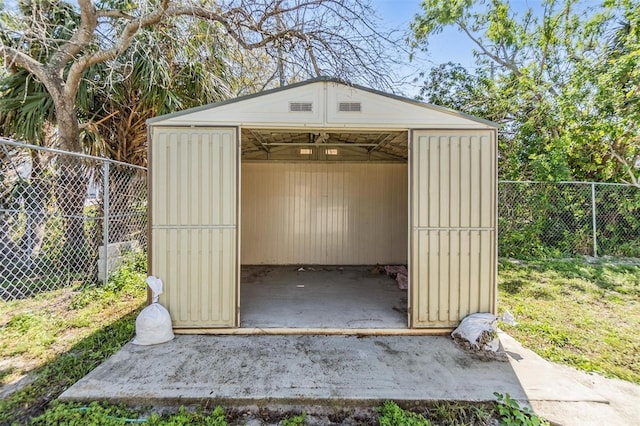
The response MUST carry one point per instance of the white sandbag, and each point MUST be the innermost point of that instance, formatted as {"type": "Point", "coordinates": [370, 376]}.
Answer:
{"type": "Point", "coordinates": [480, 331]}
{"type": "Point", "coordinates": [153, 324]}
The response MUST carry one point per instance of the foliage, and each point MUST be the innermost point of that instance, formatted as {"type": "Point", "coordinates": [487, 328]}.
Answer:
{"type": "Point", "coordinates": [583, 314]}
{"type": "Point", "coordinates": [452, 86]}
{"type": "Point", "coordinates": [158, 75]}
{"type": "Point", "coordinates": [453, 413]}
{"type": "Point", "coordinates": [511, 414]}
{"type": "Point", "coordinates": [25, 108]}
{"type": "Point", "coordinates": [294, 420]}
{"type": "Point", "coordinates": [538, 220]}
{"type": "Point", "coordinates": [388, 414]}
{"type": "Point", "coordinates": [77, 415]}
{"type": "Point", "coordinates": [183, 417]}
{"type": "Point", "coordinates": [561, 79]}
{"type": "Point", "coordinates": [392, 415]}
{"type": "Point", "coordinates": [113, 415]}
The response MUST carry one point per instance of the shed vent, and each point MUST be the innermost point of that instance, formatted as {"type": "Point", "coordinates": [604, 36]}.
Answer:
{"type": "Point", "coordinates": [350, 107]}
{"type": "Point", "coordinates": [300, 106]}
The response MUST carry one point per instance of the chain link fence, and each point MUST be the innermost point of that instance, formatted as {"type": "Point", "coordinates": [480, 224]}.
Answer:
{"type": "Point", "coordinates": [53, 206]}
{"type": "Point", "coordinates": [539, 219]}
{"type": "Point", "coordinates": [53, 231]}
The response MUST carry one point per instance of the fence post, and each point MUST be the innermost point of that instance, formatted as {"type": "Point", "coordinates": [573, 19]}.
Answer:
{"type": "Point", "coordinates": [105, 220]}
{"type": "Point", "coordinates": [593, 219]}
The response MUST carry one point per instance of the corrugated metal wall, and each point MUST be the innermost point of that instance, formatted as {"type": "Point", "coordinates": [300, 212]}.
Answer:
{"type": "Point", "coordinates": [453, 217]}
{"type": "Point", "coordinates": [324, 213]}
{"type": "Point", "coordinates": [193, 224]}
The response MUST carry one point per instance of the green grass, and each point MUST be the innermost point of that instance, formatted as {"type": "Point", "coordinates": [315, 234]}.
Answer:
{"type": "Point", "coordinates": [586, 315]}
{"type": "Point", "coordinates": [115, 415]}
{"type": "Point", "coordinates": [389, 414]}
{"type": "Point", "coordinates": [58, 337]}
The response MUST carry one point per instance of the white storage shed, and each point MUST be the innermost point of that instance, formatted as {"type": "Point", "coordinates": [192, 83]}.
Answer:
{"type": "Point", "coordinates": [322, 173]}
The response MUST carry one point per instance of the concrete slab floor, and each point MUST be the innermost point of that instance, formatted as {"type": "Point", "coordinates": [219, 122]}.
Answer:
{"type": "Point", "coordinates": [320, 297]}
{"type": "Point", "coordinates": [345, 371]}
{"type": "Point", "coordinates": [295, 369]}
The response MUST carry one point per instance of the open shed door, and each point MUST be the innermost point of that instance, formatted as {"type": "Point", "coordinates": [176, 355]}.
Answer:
{"type": "Point", "coordinates": [194, 181]}
{"type": "Point", "coordinates": [453, 226]}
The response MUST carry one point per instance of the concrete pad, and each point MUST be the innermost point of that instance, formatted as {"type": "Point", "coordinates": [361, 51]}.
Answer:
{"type": "Point", "coordinates": [245, 370]}
{"type": "Point", "coordinates": [541, 379]}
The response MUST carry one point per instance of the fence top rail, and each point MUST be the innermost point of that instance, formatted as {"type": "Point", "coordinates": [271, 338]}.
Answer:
{"type": "Point", "coordinates": [567, 182]}
{"type": "Point", "coordinates": [11, 142]}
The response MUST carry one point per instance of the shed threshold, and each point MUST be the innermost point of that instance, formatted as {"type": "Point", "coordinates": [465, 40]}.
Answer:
{"type": "Point", "coordinates": [319, 331]}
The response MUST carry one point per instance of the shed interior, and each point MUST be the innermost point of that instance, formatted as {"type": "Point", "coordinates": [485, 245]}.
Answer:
{"type": "Point", "coordinates": [319, 210]}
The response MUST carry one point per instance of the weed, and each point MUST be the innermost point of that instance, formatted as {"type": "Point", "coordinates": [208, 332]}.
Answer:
{"type": "Point", "coordinates": [451, 413]}
{"type": "Point", "coordinates": [22, 322]}
{"type": "Point", "coordinates": [93, 414]}
{"type": "Point", "coordinates": [294, 420]}
{"type": "Point", "coordinates": [511, 414]}
{"type": "Point", "coordinates": [184, 417]}
{"type": "Point", "coordinates": [56, 376]}
{"type": "Point", "coordinates": [392, 415]}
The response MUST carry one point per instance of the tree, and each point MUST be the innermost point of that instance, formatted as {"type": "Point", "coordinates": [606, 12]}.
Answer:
{"type": "Point", "coordinates": [114, 105]}
{"type": "Point", "coordinates": [308, 30]}
{"type": "Point", "coordinates": [551, 75]}
{"type": "Point", "coordinates": [620, 69]}
{"type": "Point", "coordinates": [164, 78]}
{"type": "Point", "coordinates": [315, 36]}
{"type": "Point", "coordinates": [452, 86]}
{"type": "Point", "coordinates": [26, 113]}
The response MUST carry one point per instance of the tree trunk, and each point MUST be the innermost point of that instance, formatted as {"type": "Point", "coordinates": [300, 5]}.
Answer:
{"type": "Point", "coordinates": [71, 188]}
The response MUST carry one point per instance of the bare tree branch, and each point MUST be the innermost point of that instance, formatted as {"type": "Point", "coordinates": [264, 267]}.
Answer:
{"type": "Point", "coordinates": [510, 64]}
{"type": "Point", "coordinates": [80, 66]}
{"type": "Point", "coordinates": [114, 13]}
{"type": "Point", "coordinates": [80, 39]}
{"type": "Point", "coordinates": [633, 179]}
{"type": "Point", "coordinates": [13, 57]}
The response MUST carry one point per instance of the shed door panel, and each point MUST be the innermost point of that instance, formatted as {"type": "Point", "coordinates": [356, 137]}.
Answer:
{"type": "Point", "coordinates": [194, 224]}
{"type": "Point", "coordinates": [453, 226]}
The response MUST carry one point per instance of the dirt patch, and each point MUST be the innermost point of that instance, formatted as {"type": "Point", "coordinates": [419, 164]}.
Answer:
{"type": "Point", "coordinates": [14, 374]}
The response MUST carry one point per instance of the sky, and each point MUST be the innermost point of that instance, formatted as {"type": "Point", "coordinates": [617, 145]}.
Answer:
{"type": "Point", "coordinates": [448, 46]}
{"type": "Point", "coordinates": [400, 13]}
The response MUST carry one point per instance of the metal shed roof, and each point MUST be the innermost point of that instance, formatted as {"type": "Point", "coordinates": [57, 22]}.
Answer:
{"type": "Point", "coordinates": [323, 103]}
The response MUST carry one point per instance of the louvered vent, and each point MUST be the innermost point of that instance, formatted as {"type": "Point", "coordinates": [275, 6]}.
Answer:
{"type": "Point", "coordinates": [300, 106]}
{"type": "Point", "coordinates": [350, 107]}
